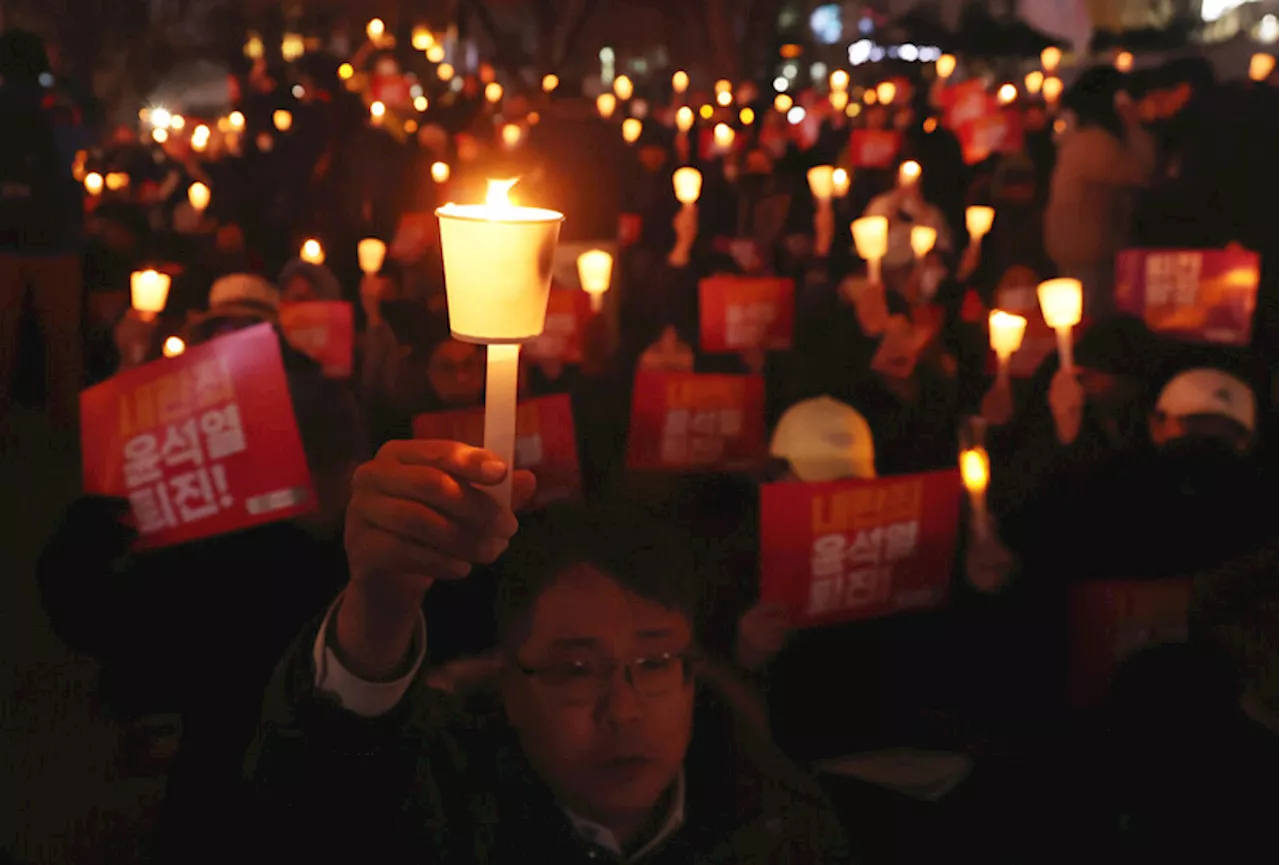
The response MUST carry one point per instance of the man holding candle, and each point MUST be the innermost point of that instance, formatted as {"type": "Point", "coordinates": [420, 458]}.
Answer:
{"type": "Point", "coordinates": [591, 759]}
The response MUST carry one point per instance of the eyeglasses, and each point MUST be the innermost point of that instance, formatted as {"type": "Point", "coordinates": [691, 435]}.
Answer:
{"type": "Point", "coordinates": [586, 682]}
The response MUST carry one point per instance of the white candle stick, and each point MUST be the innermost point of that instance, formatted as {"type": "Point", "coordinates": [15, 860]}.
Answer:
{"type": "Point", "coordinates": [501, 386]}
{"type": "Point", "coordinates": [1062, 304]}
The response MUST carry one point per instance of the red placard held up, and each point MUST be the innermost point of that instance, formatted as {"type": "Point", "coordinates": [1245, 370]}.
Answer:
{"type": "Point", "coordinates": [858, 549]}
{"type": "Point", "coordinates": [1197, 295]}
{"type": "Point", "coordinates": [738, 313]}
{"type": "Point", "coordinates": [568, 311]}
{"type": "Point", "coordinates": [874, 148]}
{"type": "Point", "coordinates": [964, 102]}
{"type": "Point", "coordinates": [202, 444]}
{"type": "Point", "coordinates": [996, 131]}
{"type": "Point", "coordinates": [323, 330]}
{"type": "Point", "coordinates": [1108, 620]}
{"type": "Point", "coordinates": [686, 420]}
{"type": "Point", "coordinates": [546, 443]}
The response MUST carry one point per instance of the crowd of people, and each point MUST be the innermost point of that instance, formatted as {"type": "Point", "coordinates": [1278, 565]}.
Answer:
{"type": "Point", "coordinates": [599, 680]}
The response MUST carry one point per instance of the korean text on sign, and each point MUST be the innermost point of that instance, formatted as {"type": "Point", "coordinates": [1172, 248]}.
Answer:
{"type": "Point", "coordinates": [1198, 295]}
{"type": "Point", "coordinates": [546, 442]}
{"type": "Point", "coordinates": [739, 313]}
{"type": "Point", "coordinates": [856, 549]}
{"type": "Point", "coordinates": [695, 421]}
{"type": "Point", "coordinates": [172, 438]}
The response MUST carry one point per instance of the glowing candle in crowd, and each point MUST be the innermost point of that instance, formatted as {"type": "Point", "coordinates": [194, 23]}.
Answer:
{"type": "Point", "coordinates": [871, 237]}
{"type": "Point", "coordinates": [497, 281]}
{"type": "Point", "coordinates": [724, 98]}
{"type": "Point", "coordinates": [631, 128]}
{"type": "Point", "coordinates": [1260, 66]}
{"type": "Point", "coordinates": [371, 253]}
{"type": "Point", "coordinates": [839, 79]}
{"type": "Point", "coordinates": [148, 291]}
{"type": "Point", "coordinates": [377, 111]}
{"type": "Point", "coordinates": [1051, 88]}
{"type": "Point", "coordinates": [117, 180]}
{"type": "Point", "coordinates": [706, 112]}
{"type": "Point", "coordinates": [687, 182]}
{"type": "Point", "coordinates": [160, 135]}
{"type": "Point", "coordinates": [200, 138]}
{"type": "Point", "coordinates": [253, 47]}
{"type": "Point", "coordinates": [680, 81]}
{"type": "Point", "coordinates": [684, 118]}
{"type": "Point", "coordinates": [346, 71]}
{"type": "Point", "coordinates": [177, 122]}
{"type": "Point", "coordinates": [93, 183]}
{"type": "Point", "coordinates": [1007, 93]}
{"type": "Point", "coordinates": [688, 185]}
{"type": "Point", "coordinates": [595, 268]}
{"type": "Point", "coordinates": [550, 82]}
{"type": "Point", "coordinates": [975, 472]}
{"type": "Point", "coordinates": [511, 134]}
{"type": "Point", "coordinates": [747, 116]}
{"type": "Point", "coordinates": [945, 65]}
{"type": "Point", "coordinates": [1062, 305]}
{"type": "Point", "coordinates": [978, 219]}
{"type": "Point", "coordinates": [173, 346]}
{"type": "Point", "coordinates": [623, 88]}
{"type": "Point", "coordinates": [375, 29]}
{"type": "Point", "coordinates": [724, 85]}
{"type": "Point", "coordinates": [909, 173]}
{"type": "Point", "coordinates": [236, 119]}
{"type": "Point", "coordinates": [1050, 58]}
{"type": "Point", "coordinates": [723, 135]}
{"type": "Point", "coordinates": [421, 39]}
{"type": "Point", "coordinates": [420, 103]}
{"type": "Point", "coordinates": [282, 120]}
{"type": "Point", "coordinates": [839, 99]}
{"type": "Point", "coordinates": [923, 237]}
{"type": "Point", "coordinates": [1033, 81]}
{"type": "Point", "coordinates": [440, 171]}
{"type": "Point", "coordinates": [822, 185]}
{"type": "Point", "coordinates": [435, 54]}
{"type": "Point", "coordinates": [782, 103]}
{"type": "Point", "coordinates": [822, 182]}
{"type": "Point", "coordinates": [1005, 331]}
{"type": "Point", "coordinates": [870, 97]}
{"type": "Point", "coordinates": [312, 252]}
{"type": "Point", "coordinates": [840, 181]}
{"type": "Point", "coordinates": [198, 194]}
{"type": "Point", "coordinates": [1124, 61]}
{"type": "Point", "coordinates": [493, 91]}
{"type": "Point", "coordinates": [886, 91]}
{"type": "Point", "coordinates": [445, 72]}
{"type": "Point", "coordinates": [605, 104]}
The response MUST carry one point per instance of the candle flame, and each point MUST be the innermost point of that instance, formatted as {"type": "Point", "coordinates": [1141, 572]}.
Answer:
{"type": "Point", "coordinates": [974, 470]}
{"type": "Point", "coordinates": [498, 195]}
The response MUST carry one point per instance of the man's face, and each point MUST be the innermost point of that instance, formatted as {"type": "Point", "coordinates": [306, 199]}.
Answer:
{"type": "Point", "coordinates": [608, 750]}
{"type": "Point", "coordinates": [456, 372]}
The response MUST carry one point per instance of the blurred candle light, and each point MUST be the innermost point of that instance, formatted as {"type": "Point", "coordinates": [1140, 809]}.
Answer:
{"type": "Point", "coordinates": [292, 47]}
{"type": "Point", "coordinates": [839, 99]}
{"type": "Point", "coordinates": [706, 112]}
{"type": "Point", "coordinates": [631, 128]}
{"type": "Point", "coordinates": [532, 118]}
{"type": "Point", "coordinates": [1033, 81]}
{"type": "Point", "coordinates": [724, 98]}
{"type": "Point", "coordinates": [870, 97]}
{"type": "Point", "coordinates": [923, 237]}
{"type": "Point", "coordinates": [871, 238]}
{"type": "Point", "coordinates": [930, 125]}
{"type": "Point", "coordinates": [375, 29]}
{"type": "Point", "coordinates": [1007, 93]}
{"type": "Point", "coordinates": [93, 183]}
{"type": "Point", "coordinates": [595, 269]}
{"type": "Point", "coordinates": [435, 54]}
{"type": "Point", "coordinates": [1062, 305]}
{"type": "Point", "coordinates": [236, 119]}
{"type": "Point", "coordinates": [160, 118]}
{"type": "Point", "coordinates": [1124, 61]}
{"type": "Point", "coordinates": [840, 181]}
{"type": "Point", "coordinates": [493, 91]}
{"type": "Point", "coordinates": [945, 65]}
{"type": "Point", "coordinates": [282, 120]}
{"type": "Point", "coordinates": [177, 122]}
{"type": "Point", "coordinates": [854, 109]}
{"type": "Point", "coordinates": [746, 116]}
{"type": "Point", "coordinates": [1051, 89]}
{"type": "Point", "coordinates": [117, 180]}
{"type": "Point", "coordinates": [371, 253]}
{"type": "Point", "coordinates": [1005, 332]}
{"type": "Point", "coordinates": [497, 282]}
{"type": "Point", "coordinates": [605, 104]}
{"type": "Point", "coordinates": [377, 111]}
{"type": "Point", "coordinates": [838, 80]}
{"type": "Point", "coordinates": [1050, 58]}
{"type": "Point", "coordinates": [420, 103]}
{"type": "Point", "coordinates": [346, 71]}
{"type": "Point", "coordinates": [440, 171]}
{"type": "Point", "coordinates": [886, 92]}
{"type": "Point", "coordinates": [160, 135]}
{"type": "Point", "coordinates": [680, 81]}
{"type": "Point", "coordinates": [908, 173]}
{"type": "Point", "coordinates": [550, 82]}
{"type": "Point", "coordinates": [421, 38]}
{"type": "Point", "coordinates": [1260, 66]}
{"type": "Point", "coordinates": [724, 85]}
{"type": "Point", "coordinates": [723, 136]}
{"type": "Point", "coordinates": [511, 134]}
{"type": "Point", "coordinates": [688, 184]}
{"type": "Point", "coordinates": [623, 88]}
{"type": "Point", "coordinates": [782, 103]}
{"type": "Point", "coordinates": [253, 47]}
{"type": "Point", "coordinates": [975, 473]}
{"type": "Point", "coordinates": [978, 219]}
{"type": "Point", "coordinates": [312, 252]}
{"type": "Point", "coordinates": [173, 346]}
{"type": "Point", "coordinates": [821, 182]}
{"type": "Point", "coordinates": [148, 292]}
{"type": "Point", "coordinates": [410, 126]}
{"type": "Point", "coordinates": [198, 194]}
{"type": "Point", "coordinates": [684, 118]}
{"type": "Point", "coordinates": [445, 72]}
{"type": "Point", "coordinates": [200, 138]}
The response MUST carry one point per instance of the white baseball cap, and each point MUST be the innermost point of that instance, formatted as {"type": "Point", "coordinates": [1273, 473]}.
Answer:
{"type": "Point", "coordinates": [824, 440]}
{"type": "Point", "coordinates": [1208, 391]}
{"type": "Point", "coordinates": [243, 292]}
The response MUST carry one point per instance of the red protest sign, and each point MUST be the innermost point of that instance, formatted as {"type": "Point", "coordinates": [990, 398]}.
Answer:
{"type": "Point", "coordinates": [996, 131]}
{"type": "Point", "coordinates": [686, 420]}
{"type": "Point", "coordinates": [1108, 620]}
{"type": "Point", "coordinates": [746, 312]}
{"type": "Point", "coordinates": [546, 443]}
{"type": "Point", "coordinates": [964, 102]}
{"type": "Point", "coordinates": [858, 549]}
{"type": "Point", "coordinates": [1197, 295]}
{"type": "Point", "coordinates": [568, 311]}
{"type": "Point", "coordinates": [874, 148]}
{"type": "Point", "coordinates": [323, 330]}
{"type": "Point", "coordinates": [201, 444]}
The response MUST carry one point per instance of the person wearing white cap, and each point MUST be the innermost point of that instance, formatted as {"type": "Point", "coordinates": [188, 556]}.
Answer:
{"type": "Point", "coordinates": [1206, 403]}
{"type": "Point", "coordinates": [822, 439]}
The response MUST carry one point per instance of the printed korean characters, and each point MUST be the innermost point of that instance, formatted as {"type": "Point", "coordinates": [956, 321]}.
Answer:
{"type": "Point", "coordinates": [1173, 278]}
{"type": "Point", "coordinates": [699, 420]}
{"type": "Point", "coordinates": [683, 421]}
{"type": "Point", "coordinates": [176, 429]}
{"type": "Point", "coordinates": [744, 313]}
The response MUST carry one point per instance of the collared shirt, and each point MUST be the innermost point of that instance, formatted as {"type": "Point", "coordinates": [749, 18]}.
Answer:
{"type": "Point", "coordinates": [371, 699]}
